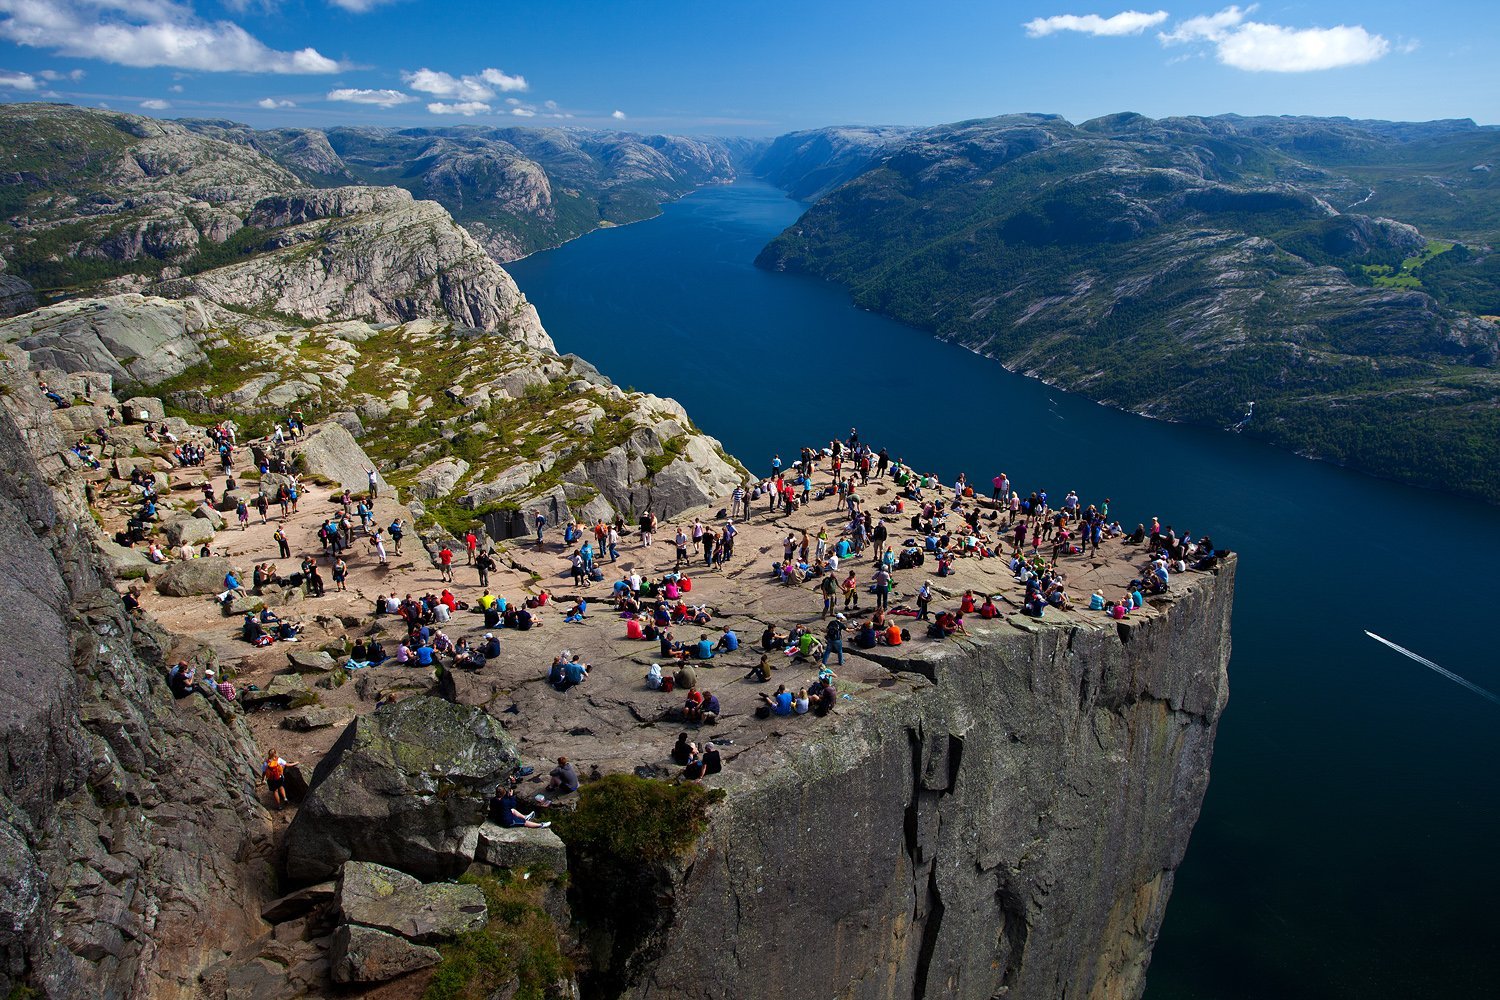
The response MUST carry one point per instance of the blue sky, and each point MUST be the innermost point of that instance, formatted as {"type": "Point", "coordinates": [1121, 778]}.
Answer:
{"type": "Point", "coordinates": [761, 68]}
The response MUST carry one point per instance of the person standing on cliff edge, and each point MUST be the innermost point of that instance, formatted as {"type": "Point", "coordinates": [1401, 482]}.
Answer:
{"type": "Point", "coordinates": [374, 484]}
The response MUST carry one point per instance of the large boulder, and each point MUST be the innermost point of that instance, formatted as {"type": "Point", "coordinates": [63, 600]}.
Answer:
{"type": "Point", "coordinates": [330, 452]}
{"type": "Point", "coordinates": [310, 717]}
{"type": "Point", "coordinates": [375, 896]}
{"type": "Point", "coordinates": [365, 955]}
{"type": "Point", "coordinates": [520, 848]}
{"type": "Point", "coordinates": [206, 513]}
{"type": "Point", "coordinates": [279, 693]}
{"type": "Point", "coordinates": [406, 787]}
{"type": "Point", "coordinates": [187, 529]}
{"type": "Point", "coordinates": [125, 563]}
{"type": "Point", "coordinates": [194, 577]}
{"type": "Point", "coordinates": [310, 661]}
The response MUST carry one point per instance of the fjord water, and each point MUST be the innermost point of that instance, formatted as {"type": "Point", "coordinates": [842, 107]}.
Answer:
{"type": "Point", "coordinates": [1347, 846]}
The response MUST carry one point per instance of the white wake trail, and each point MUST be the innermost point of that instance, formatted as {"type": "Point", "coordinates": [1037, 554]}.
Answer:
{"type": "Point", "coordinates": [1434, 667]}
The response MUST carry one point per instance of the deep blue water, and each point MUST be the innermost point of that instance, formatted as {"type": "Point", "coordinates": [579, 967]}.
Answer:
{"type": "Point", "coordinates": [1347, 844]}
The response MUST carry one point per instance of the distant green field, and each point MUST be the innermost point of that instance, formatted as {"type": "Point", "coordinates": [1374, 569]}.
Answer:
{"type": "Point", "coordinates": [1405, 276]}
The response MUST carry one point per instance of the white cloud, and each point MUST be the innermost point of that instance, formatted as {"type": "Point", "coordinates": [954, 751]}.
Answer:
{"type": "Point", "coordinates": [271, 103]}
{"type": "Point", "coordinates": [358, 6]}
{"type": "Point", "coordinates": [1206, 27]}
{"type": "Point", "coordinates": [504, 82]}
{"type": "Point", "coordinates": [1130, 22]}
{"type": "Point", "coordinates": [148, 33]}
{"type": "Point", "coordinates": [523, 112]}
{"type": "Point", "coordinates": [176, 88]}
{"type": "Point", "coordinates": [155, 104]}
{"type": "Point", "coordinates": [17, 81]}
{"type": "Point", "coordinates": [617, 115]}
{"type": "Point", "coordinates": [384, 98]}
{"type": "Point", "coordinates": [1275, 48]}
{"type": "Point", "coordinates": [52, 74]}
{"type": "Point", "coordinates": [476, 87]}
{"type": "Point", "coordinates": [465, 108]}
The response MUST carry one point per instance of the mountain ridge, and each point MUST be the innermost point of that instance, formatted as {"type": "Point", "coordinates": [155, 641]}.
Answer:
{"type": "Point", "coordinates": [1183, 268]}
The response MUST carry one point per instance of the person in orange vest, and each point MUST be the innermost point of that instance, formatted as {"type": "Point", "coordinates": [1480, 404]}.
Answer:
{"type": "Point", "coordinates": [274, 772]}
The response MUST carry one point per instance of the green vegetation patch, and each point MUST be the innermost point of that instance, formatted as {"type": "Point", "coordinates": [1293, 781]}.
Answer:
{"type": "Point", "coordinates": [1406, 274]}
{"type": "Point", "coordinates": [518, 944]}
{"type": "Point", "coordinates": [637, 820]}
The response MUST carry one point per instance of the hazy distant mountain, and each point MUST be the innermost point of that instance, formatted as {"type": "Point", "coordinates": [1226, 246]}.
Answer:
{"type": "Point", "coordinates": [807, 165]}
{"type": "Point", "coordinates": [1186, 267]}
{"type": "Point", "coordinates": [523, 189]}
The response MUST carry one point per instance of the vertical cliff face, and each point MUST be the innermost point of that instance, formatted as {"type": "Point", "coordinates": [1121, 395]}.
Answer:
{"type": "Point", "coordinates": [1010, 827]}
{"type": "Point", "coordinates": [131, 840]}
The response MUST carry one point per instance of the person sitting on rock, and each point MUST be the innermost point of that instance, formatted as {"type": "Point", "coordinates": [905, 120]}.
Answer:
{"type": "Point", "coordinates": [633, 629]}
{"type": "Point", "coordinates": [252, 629]}
{"type": "Point", "coordinates": [692, 706]}
{"type": "Point", "coordinates": [728, 642]}
{"type": "Point", "coordinates": [682, 750]}
{"type": "Point", "coordinates": [504, 811]}
{"type": "Point", "coordinates": [709, 710]}
{"type": "Point", "coordinates": [761, 672]}
{"type": "Point", "coordinates": [182, 680]}
{"type": "Point", "coordinates": [713, 763]}
{"type": "Point", "coordinates": [578, 612]}
{"type": "Point", "coordinates": [780, 703]}
{"type": "Point", "coordinates": [564, 778]}
{"type": "Point", "coordinates": [490, 647]}
{"type": "Point", "coordinates": [575, 672]}
{"type": "Point", "coordinates": [694, 769]}
{"type": "Point", "coordinates": [703, 649]}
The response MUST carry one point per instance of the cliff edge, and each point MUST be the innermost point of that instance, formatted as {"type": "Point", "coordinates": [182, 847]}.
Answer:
{"type": "Point", "coordinates": [1010, 827]}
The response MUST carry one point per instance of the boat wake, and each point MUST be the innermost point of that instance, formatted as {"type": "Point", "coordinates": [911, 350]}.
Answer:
{"type": "Point", "coordinates": [1434, 667]}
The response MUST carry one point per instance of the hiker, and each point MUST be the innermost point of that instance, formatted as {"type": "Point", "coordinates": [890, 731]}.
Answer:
{"type": "Point", "coordinates": [274, 773]}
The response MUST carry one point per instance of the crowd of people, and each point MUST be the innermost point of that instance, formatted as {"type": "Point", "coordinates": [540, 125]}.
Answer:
{"type": "Point", "coordinates": [860, 567]}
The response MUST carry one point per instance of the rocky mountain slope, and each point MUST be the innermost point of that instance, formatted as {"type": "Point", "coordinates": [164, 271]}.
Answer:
{"type": "Point", "coordinates": [128, 825]}
{"type": "Point", "coordinates": [1186, 268]}
{"type": "Point", "coordinates": [111, 203]}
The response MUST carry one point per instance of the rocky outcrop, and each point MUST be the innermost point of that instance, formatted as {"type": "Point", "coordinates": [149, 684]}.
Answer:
{"type": "Point", "coordinates": [375, 896]}
{"type": "Point", "coordinates": [16, 296]}
{"type": "Point", "coordinates": [330, 452]}
{"type": "Point", "coordinates": [193, 577]}
{"type": "Point", "coordinates": [109, 790]}
{"type": "Point", "coordinates": [399, 260]}
{"type": "Point", "coordinates": [365, 955]}
{"type": "Point", "coordinates": [406, 787]}
{"type": "Point", "coordinates": [1011, 828]}
{"type": "Point", "coordinates": [131, 337]}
